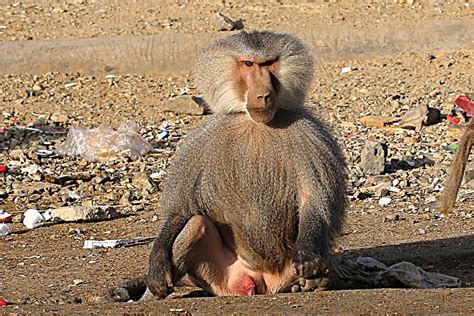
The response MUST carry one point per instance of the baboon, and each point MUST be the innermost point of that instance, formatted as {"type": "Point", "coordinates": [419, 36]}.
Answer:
{"type": "Point", "coordinates": [456, 171]}
{"type": "Point", "coordinates": [255, 197]}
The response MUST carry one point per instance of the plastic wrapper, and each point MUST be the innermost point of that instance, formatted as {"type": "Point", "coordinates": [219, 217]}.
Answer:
{"type": "Point", "coordinates": [104, 143]}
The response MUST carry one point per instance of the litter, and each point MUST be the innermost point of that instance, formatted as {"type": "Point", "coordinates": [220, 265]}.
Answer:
{"type": "Point", "coordinates": [32, 218]}
{"type": "Point", "coordinates": [367, 272]}
{"type": "Point", "coordinates": [45, 153]}
{"type": "Point", "coordinates": [465, 104]}
{"type": "Point", "coordinates": [91, 244]}
{"type": "Point", "coordinates": [346, 70]}
{"type": "Point", "coordinates": [103, 143]}
{"type": "Point", "coordinates": [4, 229]}
{"type": "Point", "coordinates": [5, 217]}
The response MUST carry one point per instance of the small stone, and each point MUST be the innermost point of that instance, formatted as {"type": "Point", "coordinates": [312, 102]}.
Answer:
{"type": "Point", "coordinates": [346, 70]}
{"type": "Point", "coordinates": [58, 117]}
{"type": "Point", "coordinates": [378, 120]}
{"type": "Point", "coordinates": [141, 181]}
{"type": "Point", "coordinates": [125, 199]}
{"type": "Point", "coordinates": [392, 217]}
{"type": "Point", "coordinates": [38, 88]}
{"type": "Point", "coordinates": [77, 282]}
{"type": "Point", "coordinates": [373, 158]}
{"type": "Point", "coordinates": [185, 104]}
{"type": "Point", "coordinates": [83, 213]}
{"type": "Point", "coordinates": [227, 24]}
{"type": "Point", "coordinates": [74, 232]}
{"type": "Point", "coordinates": [414, 118]}
{"type": "Point", "coordinates": [385, 201]}
{"type": "Point", "coordinates": [422, 231]}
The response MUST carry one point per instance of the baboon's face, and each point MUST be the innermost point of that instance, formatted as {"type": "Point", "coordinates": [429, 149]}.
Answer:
{"type": "Point", "coordinates": [258, 86]}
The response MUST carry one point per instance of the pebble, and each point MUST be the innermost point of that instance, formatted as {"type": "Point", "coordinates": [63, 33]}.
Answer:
{"type": "Point", "coordinates": [184, 105]}
{"type": "Point", "coordinates": [384, 201]}
{"type": "Point", "coordinates": [58, 117]}
{"type": "Point", "coordinates": [4, 229]}
{"type": "Point", "coordinates": [377, 120]}
{"type": "Point", "coordinates": [346, 70]}
{"type": "Point", "coordinates": [77, 282]}
{"type": "Point", "coordinates": [372, 158]}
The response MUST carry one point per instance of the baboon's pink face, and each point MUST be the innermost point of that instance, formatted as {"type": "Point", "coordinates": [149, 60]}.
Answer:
{"type": "Point", "coordinates": [257, 86]}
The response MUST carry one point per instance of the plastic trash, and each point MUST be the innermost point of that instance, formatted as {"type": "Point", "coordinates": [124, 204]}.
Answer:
{"type": "Point", "coordinates": [32, 219]}
{"type": "Point", "coordinates": [103, 143]}
{"type": "Point", "coordinates": [5, 217]}
{"type": "Point", "coordinates": [4, 229]}
{"type": "Point", "coordinates": [116, 243]}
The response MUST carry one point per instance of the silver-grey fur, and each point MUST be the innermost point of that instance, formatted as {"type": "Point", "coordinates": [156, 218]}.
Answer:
{"type": "Point", "coordinates": [215, 78]}
{"type": "Point", "coordinates": [276, 191]}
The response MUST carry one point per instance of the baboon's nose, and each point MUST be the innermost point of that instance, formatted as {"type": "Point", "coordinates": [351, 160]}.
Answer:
{"type": "Point", "coordinates": [263, 98]}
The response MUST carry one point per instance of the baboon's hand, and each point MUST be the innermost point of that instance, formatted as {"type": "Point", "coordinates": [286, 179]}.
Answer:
{"type": "Point", "coordinates": [160, 279]}
{"type": "Point", "coordinates": [310, 265]}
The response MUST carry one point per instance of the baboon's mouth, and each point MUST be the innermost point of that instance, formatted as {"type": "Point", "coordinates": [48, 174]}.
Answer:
{"type": "Point", "coordinates": [262, 115]}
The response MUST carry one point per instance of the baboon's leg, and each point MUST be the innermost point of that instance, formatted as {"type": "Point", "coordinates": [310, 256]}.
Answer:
{"type": "Point", "coordinates": [456, 171]}
{"type": "Point", "coordinates": [202, 259]}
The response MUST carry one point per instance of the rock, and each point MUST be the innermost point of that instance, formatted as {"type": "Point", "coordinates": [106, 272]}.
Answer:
{"type": "Point", "coordinates": [373, 158]}
{"type": "Point", "coordinates": [37, 89]}
{"type": "Point", "coordinates": [393, 217]}
{"type": "Point", "coordinates": [58, 117]}
{"type": "Point", "coordinates": [34, 187]}
{"type": "Point", "coordinates": [379, 189]}
{"type": "Point", "coordinates": [185, 104]}
{"type": "Point", "coordinates": [414, 118]}
{"type": "Point", "coordinates": [378, 120]}
{"type": "Point", "coordinates": [385, 201]}
{"type": "Point", "coordinates": [227, 24]}
{"type": "Point", "coordinates": [346, 70]}
{"type": "Point", "coordinates": [469, 185]}
{"type": "Point", "coordinates": [469, 173]}
{"type": "Point", "coordinates": [77, 282]}
{"type": "Point", "coordinates": [433, 117]}
{"type": "Point", "coordinates": [141, 181]}
{"type": "Point", "coordinates": [83, 213]}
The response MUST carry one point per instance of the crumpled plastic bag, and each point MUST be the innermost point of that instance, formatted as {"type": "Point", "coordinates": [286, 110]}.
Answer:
{"type": "Point", "coordinates": [104, 143]}
{"type": "Point", "coordinates": [367, 272]}
{"type": "Point", "coordinates": [413, 276]}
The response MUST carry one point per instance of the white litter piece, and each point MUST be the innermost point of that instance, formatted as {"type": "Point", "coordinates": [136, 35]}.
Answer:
{"type": "Point", "coordinates": [116, 243]}
{"type": "Point", "coordinates": [5, 217]}
{"type": "Point", "coordinates": [385, 201]}
{"type": "Point", "coordinates": [162, 135]}
{"type": "Point", "coordinates": [346, 70]}
{"type": "Point", "coordinates": [33, 218]}
{"type": "Point", "coordinates": [4, 229]}
{"type": "Point", "coordinates": [70, 85]}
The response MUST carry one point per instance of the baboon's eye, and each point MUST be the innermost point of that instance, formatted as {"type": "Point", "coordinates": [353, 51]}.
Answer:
{"type": "Point", "coordinates": [248, 63]}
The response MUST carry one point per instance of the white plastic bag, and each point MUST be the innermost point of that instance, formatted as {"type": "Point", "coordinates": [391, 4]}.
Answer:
{"type": "Point", "coordinates": [104, 143]}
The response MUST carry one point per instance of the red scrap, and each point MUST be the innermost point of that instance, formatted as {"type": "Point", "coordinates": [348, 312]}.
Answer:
{"type": "Point", "coordinates": [3, 169]}
{"type": "Point", "coordinates": [465, 104]}
{"type": "Point", "coordinates": [3, 303]}
{"type": "Point", "coordinates": [453, 119]}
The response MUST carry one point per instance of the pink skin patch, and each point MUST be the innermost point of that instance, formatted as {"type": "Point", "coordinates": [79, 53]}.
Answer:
{"type": "Point", "coordinates": [244, 286]}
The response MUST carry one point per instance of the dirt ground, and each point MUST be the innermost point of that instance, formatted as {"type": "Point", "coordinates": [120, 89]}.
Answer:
{"type": "Point", "coordinates": [47, 270]}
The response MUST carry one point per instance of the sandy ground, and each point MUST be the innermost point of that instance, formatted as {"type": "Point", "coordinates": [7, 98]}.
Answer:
{"type": "Point", "coordinates": [47, 270]}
